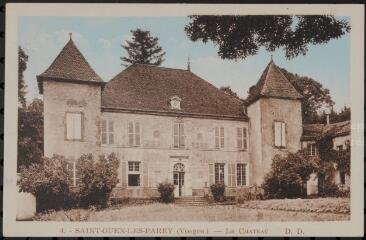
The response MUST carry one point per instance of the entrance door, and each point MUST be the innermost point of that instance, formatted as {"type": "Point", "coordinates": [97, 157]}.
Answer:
{"type": "Point", "coordinates": [178, 177]}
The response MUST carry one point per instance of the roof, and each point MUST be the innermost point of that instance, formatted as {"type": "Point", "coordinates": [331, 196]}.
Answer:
{"type": "Point", "coordinates": [144, 87]}
{"type": "Point", "coordinates": [70, 64]}
{"type": "Point", "coordinates": [317, 131]}
{"type": "Point", "coordinates": [273, 83]}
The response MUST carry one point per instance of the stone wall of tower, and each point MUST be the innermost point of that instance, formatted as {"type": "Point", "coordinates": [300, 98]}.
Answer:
{"type": "Point", "coordinates": [60, 98]}
{"type": "Point", "coordinates": [263, 113]}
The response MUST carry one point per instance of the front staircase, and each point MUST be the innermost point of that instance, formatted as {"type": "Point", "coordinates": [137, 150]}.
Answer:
{"type": "Point", "coordinates": [191, 201]}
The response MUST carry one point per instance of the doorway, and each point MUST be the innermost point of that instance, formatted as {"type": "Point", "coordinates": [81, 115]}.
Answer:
{"type": "Point", "coordinates": [178, 178]}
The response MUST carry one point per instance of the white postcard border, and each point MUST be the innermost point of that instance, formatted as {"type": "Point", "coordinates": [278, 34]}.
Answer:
{"type": "Point", "coordinates": [11, 227]}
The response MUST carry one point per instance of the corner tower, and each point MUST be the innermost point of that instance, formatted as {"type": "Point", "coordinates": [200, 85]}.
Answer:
{"type": "Point", "coordinates": [274, 110]}
{"type": "Point", "coordinates": [72, 103]}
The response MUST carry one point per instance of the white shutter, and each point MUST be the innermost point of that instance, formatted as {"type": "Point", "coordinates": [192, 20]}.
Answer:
{"type": "Point", "coordinates": [229, 183]}
{"type": "Point", "coordinates": [176, 134]}
{"type": "Point", "coordinates": [104, 131]}
{"type": "Point", "coordinates": [181, 135]}
{"type": "Point", "coordinates": [245, 139]}
{"type": "Point", "coordinates": [69, 126]}
{"type": "Point", "coordinates": [217, 138]}
{"type": "Point", "coordinates": [283, 135]}
{"type": "Point", "coordinates": [211, 178]}
{"type": "Point", "coordinates": [73, 126]}
{"type": "Point", "coordinates": [111, 132]}
{"type": "Point", "coordinates": [130, 134]}
{"type": "Point", "coordinates": [222, 137]}
{"type": "Point", "coordinates": [233, 174]}
{"type": "Point", "coordinates": [239, 138]}
{"type": "Point", "coordinates": [137, 134]}
{"type": "Point", "coordinates": [77, 125]}
{"type": "Point", "coordinates": [246, 174]}
{"type": "Point", "coordinates": [277, 134]}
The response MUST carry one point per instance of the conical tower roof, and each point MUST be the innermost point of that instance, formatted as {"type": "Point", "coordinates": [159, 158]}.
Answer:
{"type": "Point", "coordinates": [273, 83]}
{"type": "Point", "coordinates": [70, 65]}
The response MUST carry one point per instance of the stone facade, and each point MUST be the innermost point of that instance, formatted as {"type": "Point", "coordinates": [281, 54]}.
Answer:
{"type": "Point", "coordinates": [60, 98]}
{"type": "Point", "coordinates": [157, 155]}
{"type": "Point", "coordinates": [263, 114]}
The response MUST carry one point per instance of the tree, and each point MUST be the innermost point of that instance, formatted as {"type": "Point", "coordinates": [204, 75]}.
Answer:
{"type": "Point", "coordinates": [143, 49]}
{"type": "Point", "coordinates": [315, 96]}
{"type": "Point", "coordinates": [289, 175]}
{"type": "Point", "coordinates": [97, 179]}
{"type": "Point", "coordinates": [228, 90]}
{"type": "Point", "coordinates": [344, 114]}
{"type": "Point", "coordinates": [331, 160]}
{"type": "Point", "coordinates": [49, 181]}
{"type": "Point", "coordinates": [22, 66]}
{"type": "Point", "coordinates": [241, 36]}
{"type": "Point", "coordinates": [30, 133]}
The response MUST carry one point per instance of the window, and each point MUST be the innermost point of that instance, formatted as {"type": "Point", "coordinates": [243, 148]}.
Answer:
{"type": "Point", "coordinates": [134, 134]}
{"type": "Point", "coordinates": [242, 141]}
{"type": "Point", "coordinates": [311, 149]}
{"type": "Point", "coordinates": [348, 144]}
{"type": "Point", "coordinates": [241, 174]}
{"type": "Point", "coordinates": [73, 126]}
{"type": "Point", "coordinates": [219, 173]}
{"type": "Point", "coordinates": [133, 174]}
{"type": "Point", "coordinates": [342, 176]}
{"type": "Point", "coordinates": [71, 167]}
{"type": "Point", "coordinates": [178, 134]}
{"type": "Point", "coordinates": [107, 130]}
{"type": "Point", "coordinates": [280, 134]}
{"type": "Point", "coordinates": [219, 137]}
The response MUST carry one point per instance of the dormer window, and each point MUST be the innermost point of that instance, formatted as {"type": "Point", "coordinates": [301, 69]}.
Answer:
{"type": "Point", "coordinates": [175, 102]}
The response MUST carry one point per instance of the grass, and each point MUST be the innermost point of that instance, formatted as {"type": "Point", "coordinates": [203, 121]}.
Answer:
{"type": "Point", "coordinates": [319, 205]}
{"type": "Point", "coordinates": [269, 210]}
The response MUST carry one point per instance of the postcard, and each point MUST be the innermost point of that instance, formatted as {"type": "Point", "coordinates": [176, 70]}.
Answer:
{"type": "Point", "coordinates": [184, 120]}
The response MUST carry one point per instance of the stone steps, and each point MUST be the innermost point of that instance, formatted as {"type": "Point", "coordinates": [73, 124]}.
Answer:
{"type": "Point", "coordinates": [191, 201]}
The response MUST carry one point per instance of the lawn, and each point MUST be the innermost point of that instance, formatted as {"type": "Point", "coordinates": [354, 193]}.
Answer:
{"type": "Point", "coordinates": [269, 210]}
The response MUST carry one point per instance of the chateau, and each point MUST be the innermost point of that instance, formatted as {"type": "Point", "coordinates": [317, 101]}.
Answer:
{"type": "Point", "coordinates": [170, 124]}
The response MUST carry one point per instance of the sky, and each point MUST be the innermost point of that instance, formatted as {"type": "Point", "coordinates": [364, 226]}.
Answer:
{"type": "Point", "coordinates": [100, 39]}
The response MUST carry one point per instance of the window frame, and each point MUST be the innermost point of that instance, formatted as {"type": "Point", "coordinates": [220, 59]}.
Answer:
{"type": "Point", "coordinates": [243, 139]}
{"type": "Point", "coordinates": [311, 149]}
{"type": "Point", "coordinates": [134, 172]}
{"type": "Point", "coordinates": [181, 137]}
{"type": "Point", "coordinates": [134, 134]}
{"type": "Point", "coordinates": [108, 132]}
{"type": "Point", "coordinates": [81, 139]}
{"type": "Point", "coordinates": [219, 137]}
{"type": "Point", "coordinates": [221, 174]}
{"type": "Point", "coordinates": [74, 171]}
{"type": "Point", "coordinates": [283, 134]}
{"type": "Point", "coordinates": [246, 174]}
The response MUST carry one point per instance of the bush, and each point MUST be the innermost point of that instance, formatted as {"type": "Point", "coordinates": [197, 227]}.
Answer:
{"type": "Point", "coordinates": [288, 175]}
{"type": "Point", "coordinates": [49, 182]}
{"type": "Point", "coordinates": [334, 190]}
{"type": "Point", "coordinates": [166, 190]}
{"type": "Point", "coordinates": [97, 179]}
{"type": "Point", "coordinates": [249, 194]}
{"type": "Point", "coordinates": [218, 192]}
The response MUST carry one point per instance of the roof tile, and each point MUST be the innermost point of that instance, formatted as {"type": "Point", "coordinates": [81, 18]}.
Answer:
{"type": "Point", "coordinates": [273, 83]}
{"type": "Point", "coordinates": [148, 87]}
{"type": "Point", "coordinates": [70, 64]}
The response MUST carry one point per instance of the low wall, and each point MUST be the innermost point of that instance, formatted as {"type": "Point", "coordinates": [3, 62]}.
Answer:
{"type": "Point", "coordinates": [26, 206]}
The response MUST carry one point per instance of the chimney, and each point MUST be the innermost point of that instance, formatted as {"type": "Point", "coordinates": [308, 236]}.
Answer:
{"type": "Point", "coordinates": [327, 117]}
{"type": "Point", "coordinates": [189, 63]}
